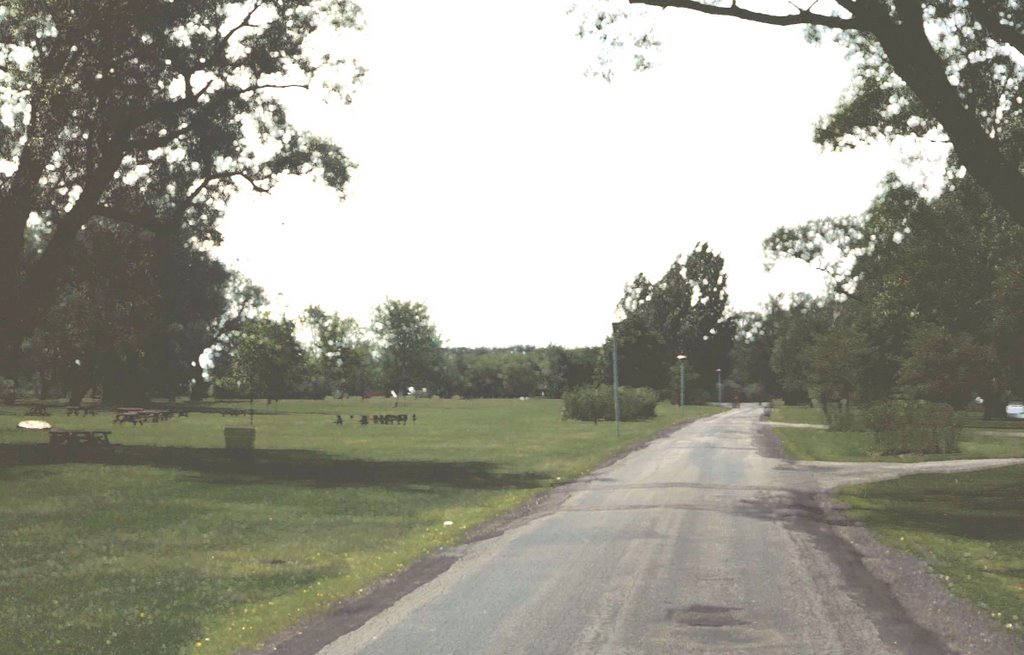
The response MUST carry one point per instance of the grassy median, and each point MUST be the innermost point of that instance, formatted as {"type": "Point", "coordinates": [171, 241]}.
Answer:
{"type": "Point", "coordinates": [167, 543]}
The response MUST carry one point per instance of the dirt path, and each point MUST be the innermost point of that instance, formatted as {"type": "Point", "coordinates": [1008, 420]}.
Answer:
{"type": "Point", "coordinates": [837, 474]}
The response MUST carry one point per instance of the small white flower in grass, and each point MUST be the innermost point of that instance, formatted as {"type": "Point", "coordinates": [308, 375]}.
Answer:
{"type": "Point", "coordinates": [447, 523]}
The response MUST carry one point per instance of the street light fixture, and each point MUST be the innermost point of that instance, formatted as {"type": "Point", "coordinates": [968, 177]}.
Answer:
{"type": "Point", "coordinates": [719, 371]}
{"type": "Point", "coordinates": [615, 381]}
{"type": "Point", "coordinates": [682, 380]}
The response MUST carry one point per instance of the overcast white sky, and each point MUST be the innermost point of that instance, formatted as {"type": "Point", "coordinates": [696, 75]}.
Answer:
{"type": "Point", "coordinates": [515, 196]}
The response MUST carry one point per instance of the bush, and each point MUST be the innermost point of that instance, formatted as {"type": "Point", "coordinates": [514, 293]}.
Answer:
{"type": "Point", "coordinates": [598, 404]}
{"type": "Point", "coordinates": [841, 419]}
{"type": "Point", "coordinates": [904, 426]}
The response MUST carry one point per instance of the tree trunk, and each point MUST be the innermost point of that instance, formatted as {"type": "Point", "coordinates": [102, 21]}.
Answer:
{"type": "Point", "coordinates": [123, 382]}
{"type": "Point", "coordinates": [994, 404]}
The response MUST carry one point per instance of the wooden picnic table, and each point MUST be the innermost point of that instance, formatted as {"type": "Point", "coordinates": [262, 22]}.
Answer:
{"type": "Point", "coordinates": [136, 415]}
{"type": "Point", "coordinates": [37, 410]}
{"type": "Point", "coordinates": [79, 437]}
{"type": "Point", "coordinates": [84, 411]}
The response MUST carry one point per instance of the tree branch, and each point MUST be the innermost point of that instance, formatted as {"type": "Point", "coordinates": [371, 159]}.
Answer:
{"type": "Point", "coordinates": [146, 220]}
{"type": "Point", "coordinates": [999, 30]}
{"type": "Point", "coordinates": [801, 17]}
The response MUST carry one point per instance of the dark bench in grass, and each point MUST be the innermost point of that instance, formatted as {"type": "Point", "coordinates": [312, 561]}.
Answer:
{"type": "Point", "coordinates": [66, 438]}
{"type": "Point", "coordinates": [84, 411]}
{"type": "Point", "coordinates": [136, 416]}
{"type": "Point", "coordinates": [38, 410]}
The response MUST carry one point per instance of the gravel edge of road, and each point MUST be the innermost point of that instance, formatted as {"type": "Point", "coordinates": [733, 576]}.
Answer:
{"type": "Point", "coordinates": [311, 635]}
{"type": "Point", "coordinates": [922, 592]}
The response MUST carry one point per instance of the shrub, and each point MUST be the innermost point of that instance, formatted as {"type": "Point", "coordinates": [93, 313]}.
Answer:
{"type": "Point", "coordinates": [598, 404]}
{"type": "Point", "coordinates": [905, 426]}
{"type": "Point", "coordinates": [841, 419]}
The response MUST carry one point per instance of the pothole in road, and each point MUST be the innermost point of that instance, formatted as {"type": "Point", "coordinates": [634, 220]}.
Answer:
{"type": "Point", "coordinates": [705, 616]}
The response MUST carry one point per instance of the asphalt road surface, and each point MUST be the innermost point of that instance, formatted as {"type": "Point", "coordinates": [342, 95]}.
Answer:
{"type": "Point", "coordinates": [699, 543]}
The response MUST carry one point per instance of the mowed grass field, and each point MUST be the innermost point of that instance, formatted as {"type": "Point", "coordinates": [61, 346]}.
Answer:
{"type": "Point", "coordinates": [968, 526]}
{"type": "Point", "coordinates": [168, 543]}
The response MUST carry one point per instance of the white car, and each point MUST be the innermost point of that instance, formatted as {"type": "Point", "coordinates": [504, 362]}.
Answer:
{"type": "Point", "coordinates": [1015, 410]}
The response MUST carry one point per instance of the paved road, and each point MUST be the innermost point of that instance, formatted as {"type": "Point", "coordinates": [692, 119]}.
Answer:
{"type": "Point", "coordinates": [696, 544]}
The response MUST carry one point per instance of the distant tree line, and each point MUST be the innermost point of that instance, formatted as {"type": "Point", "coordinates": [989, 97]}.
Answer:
{"type": "Point", "coordinates": [139, 317]}
{"type": "Point", "coordinates": [143, 317]}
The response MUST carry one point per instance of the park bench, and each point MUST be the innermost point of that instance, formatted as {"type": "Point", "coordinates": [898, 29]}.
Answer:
{"type": "Point", "coordinates": [37, 410]}
{"type": "Point", "coordinates": [66, 438]}
{"type": "Point", "coordinates": [84, 411]}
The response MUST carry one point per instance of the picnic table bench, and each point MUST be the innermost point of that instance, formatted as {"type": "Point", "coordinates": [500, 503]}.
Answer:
{"type": "Point", "coordinates": [84, 411]}
{"type": "Point", "coordinates": [79, 437]}
{"type": "Point", "coordinates": [37, 410]}
{"type": "Point", "coordinates": [137, 415]}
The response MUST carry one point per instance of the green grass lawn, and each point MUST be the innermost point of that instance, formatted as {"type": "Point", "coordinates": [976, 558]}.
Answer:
{"type": "Point", "coordinates": [823, 445]}
{"type": "Point", "coordinates": [974, 420]}
{"type": "Point", "coordinates": [968, 526]}
{"type": "Point", "coordinates": [797, 414]}
{"type": "Point", "coordinates": [167, 543]}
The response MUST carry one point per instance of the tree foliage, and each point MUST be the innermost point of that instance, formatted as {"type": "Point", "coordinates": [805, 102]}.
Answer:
{"type": "Point", "coordinates": [132, 315]}
{"type": "Point", "coordinates": [682, 313]}
{"type": "Point", "coordinates": [263, 359]}
{"type": "Point", "coordinates": [933, 286]}
{"type": "Point", "coordinates": [340, 355]}
{"type": "Point", "coordinates": [410, 347]}
{"type": "Point", "coordinates": [148, 113]}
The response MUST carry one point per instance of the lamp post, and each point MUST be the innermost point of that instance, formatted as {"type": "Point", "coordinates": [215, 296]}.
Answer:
{"type": "Point", "coordinates": [682, 380]}
{"type": "Point", "coordinates": [719, 371]}
{"type": "Point", "coordinates": [615, 380]}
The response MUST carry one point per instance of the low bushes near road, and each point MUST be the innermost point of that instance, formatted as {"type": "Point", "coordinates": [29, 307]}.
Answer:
{"type": "Point", "coordinates": [821, 444]}
{"type": "Point", "coordinates": [598, 403]}
{"type": "Point", "coordinates": [901, 431]}
{"type": "Point", "coordinates": [967, 526]}
{"type": "Point", "coordinates": [903, 426]}
{"type": "Point", "coordinates": [166, 543]}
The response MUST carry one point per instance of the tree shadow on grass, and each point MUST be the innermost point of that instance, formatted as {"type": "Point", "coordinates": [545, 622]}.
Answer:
{"type": "Point", "coordinates": [302, 467]}
{"type": "Point", "coordinates": [994, 520]}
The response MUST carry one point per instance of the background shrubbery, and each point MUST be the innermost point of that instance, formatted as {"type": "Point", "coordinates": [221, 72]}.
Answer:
{"type": "Point", "coordinates": [841, 418]}
{"type": "Point", "coordinates": [904, 426]}
{"type": "Point", "coordinates": [597, 403]}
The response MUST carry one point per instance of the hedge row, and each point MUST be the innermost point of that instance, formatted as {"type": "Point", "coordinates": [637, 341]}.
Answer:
{"type": "Point", "coordinates": [905, 426]}
{"type": "Point", "coordinates": [598, 404]}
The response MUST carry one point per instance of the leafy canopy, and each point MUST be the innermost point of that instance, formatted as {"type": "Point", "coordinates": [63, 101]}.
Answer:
{"type": "Point", "coordinates": [147, 112]}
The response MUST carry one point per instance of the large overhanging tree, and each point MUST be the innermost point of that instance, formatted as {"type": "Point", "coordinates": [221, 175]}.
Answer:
{"type": "Point", "coordinates": [147, 112]}
{"type": "Point", "coordinates": [949, 66]}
